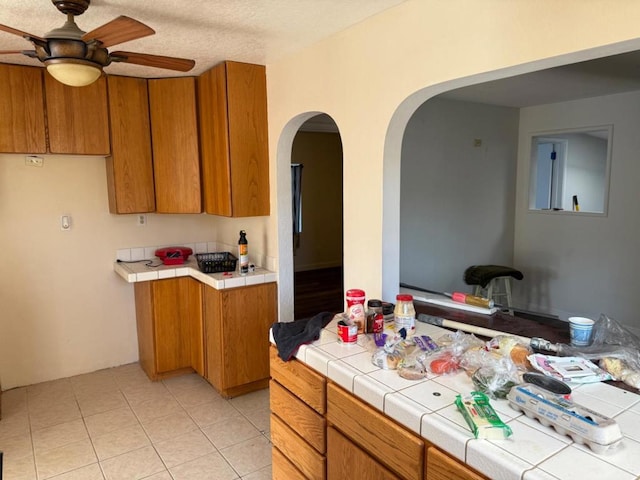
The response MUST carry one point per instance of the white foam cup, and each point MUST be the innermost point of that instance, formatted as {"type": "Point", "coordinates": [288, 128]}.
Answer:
{"type": "Point", "coordinates": [580, 329]}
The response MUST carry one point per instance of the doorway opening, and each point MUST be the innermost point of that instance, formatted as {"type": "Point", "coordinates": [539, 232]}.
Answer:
{"type": "Point", "coordinates": [316, 159]}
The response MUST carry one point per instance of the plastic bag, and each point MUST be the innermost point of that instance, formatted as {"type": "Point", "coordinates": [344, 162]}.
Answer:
{"type": "Point", "coordinates": [611, 340]}
{"type": "Point", "coordinates": [454, 345]}
{"type": "Point", "coordinates": [497, 378]}
{"type": "Point", "coordinates": [388, 350]}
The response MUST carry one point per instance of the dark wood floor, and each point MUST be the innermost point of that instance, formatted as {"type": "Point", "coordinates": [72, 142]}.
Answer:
{"type": "Point", "coordinates": [318, 291]}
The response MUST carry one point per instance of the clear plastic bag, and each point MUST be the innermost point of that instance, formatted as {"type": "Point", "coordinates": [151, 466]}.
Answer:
{"type": "Point", "coordinates": [617, 348]}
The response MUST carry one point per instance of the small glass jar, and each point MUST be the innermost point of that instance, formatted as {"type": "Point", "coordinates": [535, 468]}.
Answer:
{"type": "Point", "coordinates": [355, 308]}
{"type": "Point", "coordinates": [375, 319]}
{"type": "Point", "coordinates": [404, 314]}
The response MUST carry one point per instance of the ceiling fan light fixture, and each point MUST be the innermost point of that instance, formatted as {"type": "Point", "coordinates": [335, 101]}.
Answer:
{"type": "Point", "coordinates": [73, 72]}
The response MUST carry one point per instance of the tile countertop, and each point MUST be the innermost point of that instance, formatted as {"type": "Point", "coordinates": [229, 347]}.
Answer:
{"type": "Point", "coordinates": [533, 452]}
{"type": "Point", "coordinates": [141, 272]}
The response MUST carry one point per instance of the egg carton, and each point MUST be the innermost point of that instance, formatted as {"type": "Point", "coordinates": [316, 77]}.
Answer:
{"type": "Point", "coordinates": [582, 424]}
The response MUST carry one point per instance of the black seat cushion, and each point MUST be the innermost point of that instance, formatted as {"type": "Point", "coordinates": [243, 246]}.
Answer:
{"type": "Point", "coordinates": [483, 274]}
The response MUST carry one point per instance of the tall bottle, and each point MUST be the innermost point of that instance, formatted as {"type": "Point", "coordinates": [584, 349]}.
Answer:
{"type": "Point", "coordinates": [243, 253]}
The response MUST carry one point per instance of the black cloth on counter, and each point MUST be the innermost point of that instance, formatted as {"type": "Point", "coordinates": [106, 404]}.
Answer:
{"type": "Point", "coordinates": [290, 335]}
{"type": "Point", "coordinates": [483, 274]}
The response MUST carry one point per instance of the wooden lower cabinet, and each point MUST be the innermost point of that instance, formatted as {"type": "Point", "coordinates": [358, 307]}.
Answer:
{"type": "Point", "coordinates": [298, 425]}
{"type": "Point", "coordinates": [400, 450]}
{"type": "Point", "coordinates": [169, 321]}
{"type": "Point", "coordinates": [346, 460]}
{"type": "Point", "coordinates": [319, 430]}
{"type": "Point", "coordinates": [237, 322]}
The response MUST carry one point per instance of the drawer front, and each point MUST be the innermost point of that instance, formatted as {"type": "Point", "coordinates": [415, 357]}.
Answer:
{"type": "Point", "coordinates": [302, 419]}
{"type": "Point", "coordinates": [442, 467]}
{"type": "Point", "coordinates": [400, 450]}
{"type": "Point", "coordinates": [302, 381]}
{"type": "Point", "coordinates": [346, 460]}
{"type": "Point", "coordinates": [282, 468]}
{"type": "Point", "coordinates": [292, 446]}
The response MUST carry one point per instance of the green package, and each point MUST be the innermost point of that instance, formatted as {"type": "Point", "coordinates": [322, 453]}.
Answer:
{"type": "Point", "coordinates": [481, 417]}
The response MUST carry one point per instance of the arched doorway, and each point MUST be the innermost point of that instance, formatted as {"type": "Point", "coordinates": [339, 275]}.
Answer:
{"type": "Point", "coordinates": [316, 167]}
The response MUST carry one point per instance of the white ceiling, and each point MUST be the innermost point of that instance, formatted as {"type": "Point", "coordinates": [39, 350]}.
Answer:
{"type": "Point", "coordinates": [207, 31]}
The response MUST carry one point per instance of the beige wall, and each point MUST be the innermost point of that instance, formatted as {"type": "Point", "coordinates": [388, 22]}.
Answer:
{"type": "Point", "coordinates": [66, 313]}
{"type": "Point", "coordinates": [63, 311]}
{"type": "Point", "coordinates": [372, 77]}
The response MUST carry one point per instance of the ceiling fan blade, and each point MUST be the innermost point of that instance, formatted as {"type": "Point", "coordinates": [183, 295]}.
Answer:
{"type": "Point", "coordinates": [20, 33]}
{"type": "Point", "coordinates": [170, 63]}
{"type": "Point", "coordinates": [11, 52]}
{"type": "Point", "coordinates": [119, 30]}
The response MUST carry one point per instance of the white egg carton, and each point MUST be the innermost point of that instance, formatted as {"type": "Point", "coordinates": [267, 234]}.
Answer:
{"type": "Point", "coordinates": [583, 425]}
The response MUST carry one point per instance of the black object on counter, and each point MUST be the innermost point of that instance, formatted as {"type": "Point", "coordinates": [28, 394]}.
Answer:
{"type": "Point", "coordinates": [290, 335]}
{"type": "Point", "coordinates": [548, 383]}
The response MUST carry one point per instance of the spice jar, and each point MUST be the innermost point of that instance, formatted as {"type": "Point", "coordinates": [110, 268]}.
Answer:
{"type": "Point", "coordinates": [375, 319]}
{"type": "Point", "coordinates": [355, 308]}
{"type": "Point", "coordinates": [404, 315]}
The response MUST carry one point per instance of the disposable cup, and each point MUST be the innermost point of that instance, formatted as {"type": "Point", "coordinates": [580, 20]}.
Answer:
{"type": "Point", "coordinates": [580, 329]}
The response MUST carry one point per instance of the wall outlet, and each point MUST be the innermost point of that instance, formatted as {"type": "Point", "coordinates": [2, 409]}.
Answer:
{"type": "Point", "coordinates": [65, 223]}
{"type": "Point", "coordinates": [33, 161]}
{"type": "Point", "coordinates": [142, 220]}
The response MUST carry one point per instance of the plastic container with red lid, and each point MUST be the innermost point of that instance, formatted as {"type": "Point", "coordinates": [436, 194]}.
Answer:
{"type": "Point", "coordinates": [404, 314]}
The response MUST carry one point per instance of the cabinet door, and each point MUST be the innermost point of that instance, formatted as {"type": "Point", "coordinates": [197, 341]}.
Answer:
{"type": "Point", "coordinates": [174, 133]}
{"type": "Point", "coordinates": [22, 127]}
{"type": "Point", "coordinates": [77, 117]}
{"type": "Point", "coordinates": [237, 323]}
{"type": "Point", "coordinates": [176, 308]}
{"type": "Point", "coordinates": [232, 100]}
{"type": "Point", "coordinates": [346, 460]}
{"type": "Point", "coordinates": [130, 166]}
{"type": "Point", "coordinates": [442, 467]}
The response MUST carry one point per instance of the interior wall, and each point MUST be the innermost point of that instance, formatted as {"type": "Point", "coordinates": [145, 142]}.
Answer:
{"type": "Point", "coordinates": [582, 264]}
{"type": "Point", "coordinates": [320, 153]}
{"type": "Point", "coordinates": [456, 198]}
{"type": "Point", "coordinates": [373, 76]}
{"type": "Point", "coordinates": [64, 310]}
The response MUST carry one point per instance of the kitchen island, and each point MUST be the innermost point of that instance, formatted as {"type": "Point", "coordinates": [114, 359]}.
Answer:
{"type": "Point", "coordinates": [423, 412]}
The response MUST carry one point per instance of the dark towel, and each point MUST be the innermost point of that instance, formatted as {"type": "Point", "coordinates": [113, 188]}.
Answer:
{"type": "Point", "coordinates": [483, 274]}
{"type": "Point", "coordinates": [290, 335]}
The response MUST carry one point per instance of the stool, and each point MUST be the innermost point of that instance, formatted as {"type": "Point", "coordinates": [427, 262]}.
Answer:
{"type": "Point", "coordinates": [493, 282]}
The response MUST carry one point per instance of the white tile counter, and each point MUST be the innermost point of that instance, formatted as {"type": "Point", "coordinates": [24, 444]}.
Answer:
{"type": "Point", "coordinates": [533, 452]}
{"type": "Point", "coordinates": [146, 270]}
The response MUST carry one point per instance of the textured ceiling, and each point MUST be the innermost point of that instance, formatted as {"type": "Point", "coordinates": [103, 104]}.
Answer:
{"type": "Point", "coordinates": [207, 31]}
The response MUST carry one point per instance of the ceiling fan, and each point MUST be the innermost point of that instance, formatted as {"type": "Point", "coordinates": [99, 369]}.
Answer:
{"type": "Point", "coordinates": [76, 58]}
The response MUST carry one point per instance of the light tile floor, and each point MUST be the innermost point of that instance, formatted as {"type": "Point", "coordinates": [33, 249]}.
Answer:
{"type": "Point", "coordinates": [115, 424]}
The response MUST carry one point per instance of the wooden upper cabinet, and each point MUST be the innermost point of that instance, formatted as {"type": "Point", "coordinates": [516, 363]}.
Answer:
{"type": "Point", "coordinates": [232, 101]}
{"type": "Point", "coordinates": [77, 117]}
{"type": "Point", "coordinates": [22, 125]}
{"type": "Point", "coordinates": [174, 133]}
{"type": "Point", "coordinates": [130, 166]}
